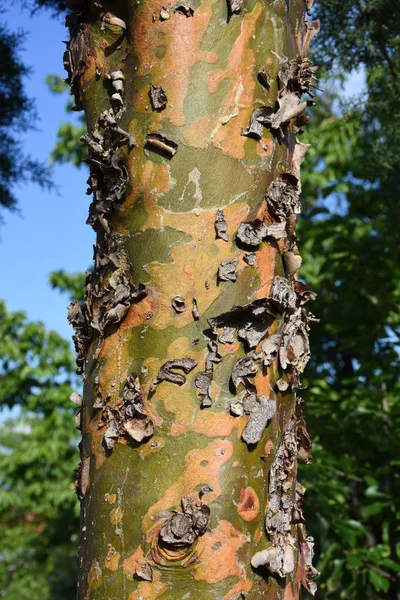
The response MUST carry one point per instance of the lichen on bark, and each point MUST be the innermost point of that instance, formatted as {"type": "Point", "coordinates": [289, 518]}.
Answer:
{"type": "Point", "coordinates": [193, 333]}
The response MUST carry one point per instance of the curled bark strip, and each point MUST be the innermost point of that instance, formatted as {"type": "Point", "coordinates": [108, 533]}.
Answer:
{"type": "Point", "coordinates": [280, 556]}
{"type": "Point", "coordinates": [166, 374]}
{"type": "Point", "coordinates": [195, 310]}
{"type": "Point", "coordinates": [288, 107]}
{"type": "Point", "coordinates": [220, 225]}
{"type": "Point", "coordinates": [158, 141]}
{"type": "Point", "coordinates": [182, 528]}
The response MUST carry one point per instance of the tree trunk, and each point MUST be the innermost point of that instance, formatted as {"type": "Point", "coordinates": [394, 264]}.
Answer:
{"type": "Point", "coordinates": [193, 333]}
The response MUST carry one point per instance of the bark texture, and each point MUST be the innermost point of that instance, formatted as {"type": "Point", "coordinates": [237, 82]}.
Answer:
{"type": "Point", "coordinates": [193, 333]}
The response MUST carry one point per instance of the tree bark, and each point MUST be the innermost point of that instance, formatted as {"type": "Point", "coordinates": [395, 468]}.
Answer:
{"type": "Point", "coordinates": [193, 333]}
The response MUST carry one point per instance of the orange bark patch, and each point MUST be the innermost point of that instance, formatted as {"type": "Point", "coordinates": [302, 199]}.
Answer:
{"type": "Point", "coordinates": [257, 535]}
{"type": "Point", "coordinates": [110, 498]}
{"type": "Point", "coordinates": [111, 560]}
{"type": "Point", "coordinates": [202, 467]}
{"type": "Point", "coordinates": [182, 39]}
{"type": "Point", "coordinates": [269, 446]}
{"type": "Point", "coordinates": [223, 129]}
{"type": "Point", "coordinates": [217, 552]}
{"type": "Point", "coordinates": [116, 516]}
{"type": "Point", "coordinates": [191, 265]}
{"type": "Point", "coordinates": [249, 504]}
{"type": "Point", "coordinates": [149, 590]}
{"type": "Point", "coordinates": [289, 595]}
{"type": "Point", "coordinates": [95, 577]}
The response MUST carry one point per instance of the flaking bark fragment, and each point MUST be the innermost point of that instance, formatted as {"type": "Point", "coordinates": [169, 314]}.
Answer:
{"type": "Point", "coordinates": [187, 11]}
{"type": "Point", "coordinates": [158, 97]}
{"type": "Point", "coordinates": [213, 356]}
{"type": "Point", "coordinates": [128, 418]}
{"type": "Point", "coordinates": [251, 322]}
{"type": "Point", "coordinates": [262, 413]}
{"type": "Point", "coordinates": [282, 294]}
{"type": "Point", "coordinates": [244, 368]}
{"type": "Point", "coordinates": [235, 6]}
{"type": "Point", "coordinates": [82, 481]}
{"type": "Point", "coordinates": [145, 571]}
{"type": "Point", "coordinates": [283, 197]}
{"type": "Point", "coordinates": [303, 293]}
{"type": "Point", "coordinates": [227, 270]}
{"type": "Point", "coordinates": [75, 56]}
{"type": "Point", "coordinates": [109, 292]}
{"type": "Point", "coordinates": [270, 348]}
{"type": "Point", "coordinates": [221, 228]}
{"type": "Point", "coordinates": [292, 260]}
{"type": "Point", "coordinates": [158, 141]}
{"type": "Point", "coordinates": [195, 310]}
{"type": "Point", "coordinates": [298, 76]}
{"type": "Point", "coordinates": [203, 384]}
{"type": "Point", "coordinates": [76, 399]}
{"type": "Point", "coordinates": [166, 374]}
{"type": "Point", "coordinates": [254, 232]}
{"type": "Point", "coordinates": [183, 528]}
{"type": "Point", "coordinates": [260, 117]}
{"type": "Point", "coordinates": [295, 347]}
{"type": "Point", "coordinates": [250, 259]}
{"type": "Point", "coordinates": [264, 77]}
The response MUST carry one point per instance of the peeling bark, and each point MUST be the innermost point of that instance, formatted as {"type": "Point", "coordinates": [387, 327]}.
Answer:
{"type": "Point", "coordinates": [194, 332]}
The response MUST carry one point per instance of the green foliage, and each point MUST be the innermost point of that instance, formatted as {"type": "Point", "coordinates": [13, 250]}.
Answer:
{"type": "Point", "coordinates": [73, 284]}
{"type": "Point", "coordinates": [68, 148]}
{"type": "Point", "coordinates": [351, 258]}
{"type": "Point", "coordinates": [38, 452]}
{"type": "Point", "coordinates": [17, 115]}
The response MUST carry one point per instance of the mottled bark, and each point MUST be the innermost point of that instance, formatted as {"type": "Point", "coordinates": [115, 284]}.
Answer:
{"type": "Point", "coordinates": [193, 333]}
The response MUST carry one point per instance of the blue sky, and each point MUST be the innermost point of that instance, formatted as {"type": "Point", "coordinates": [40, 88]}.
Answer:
{"type": "Point", "coordinates": [49, 232]}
